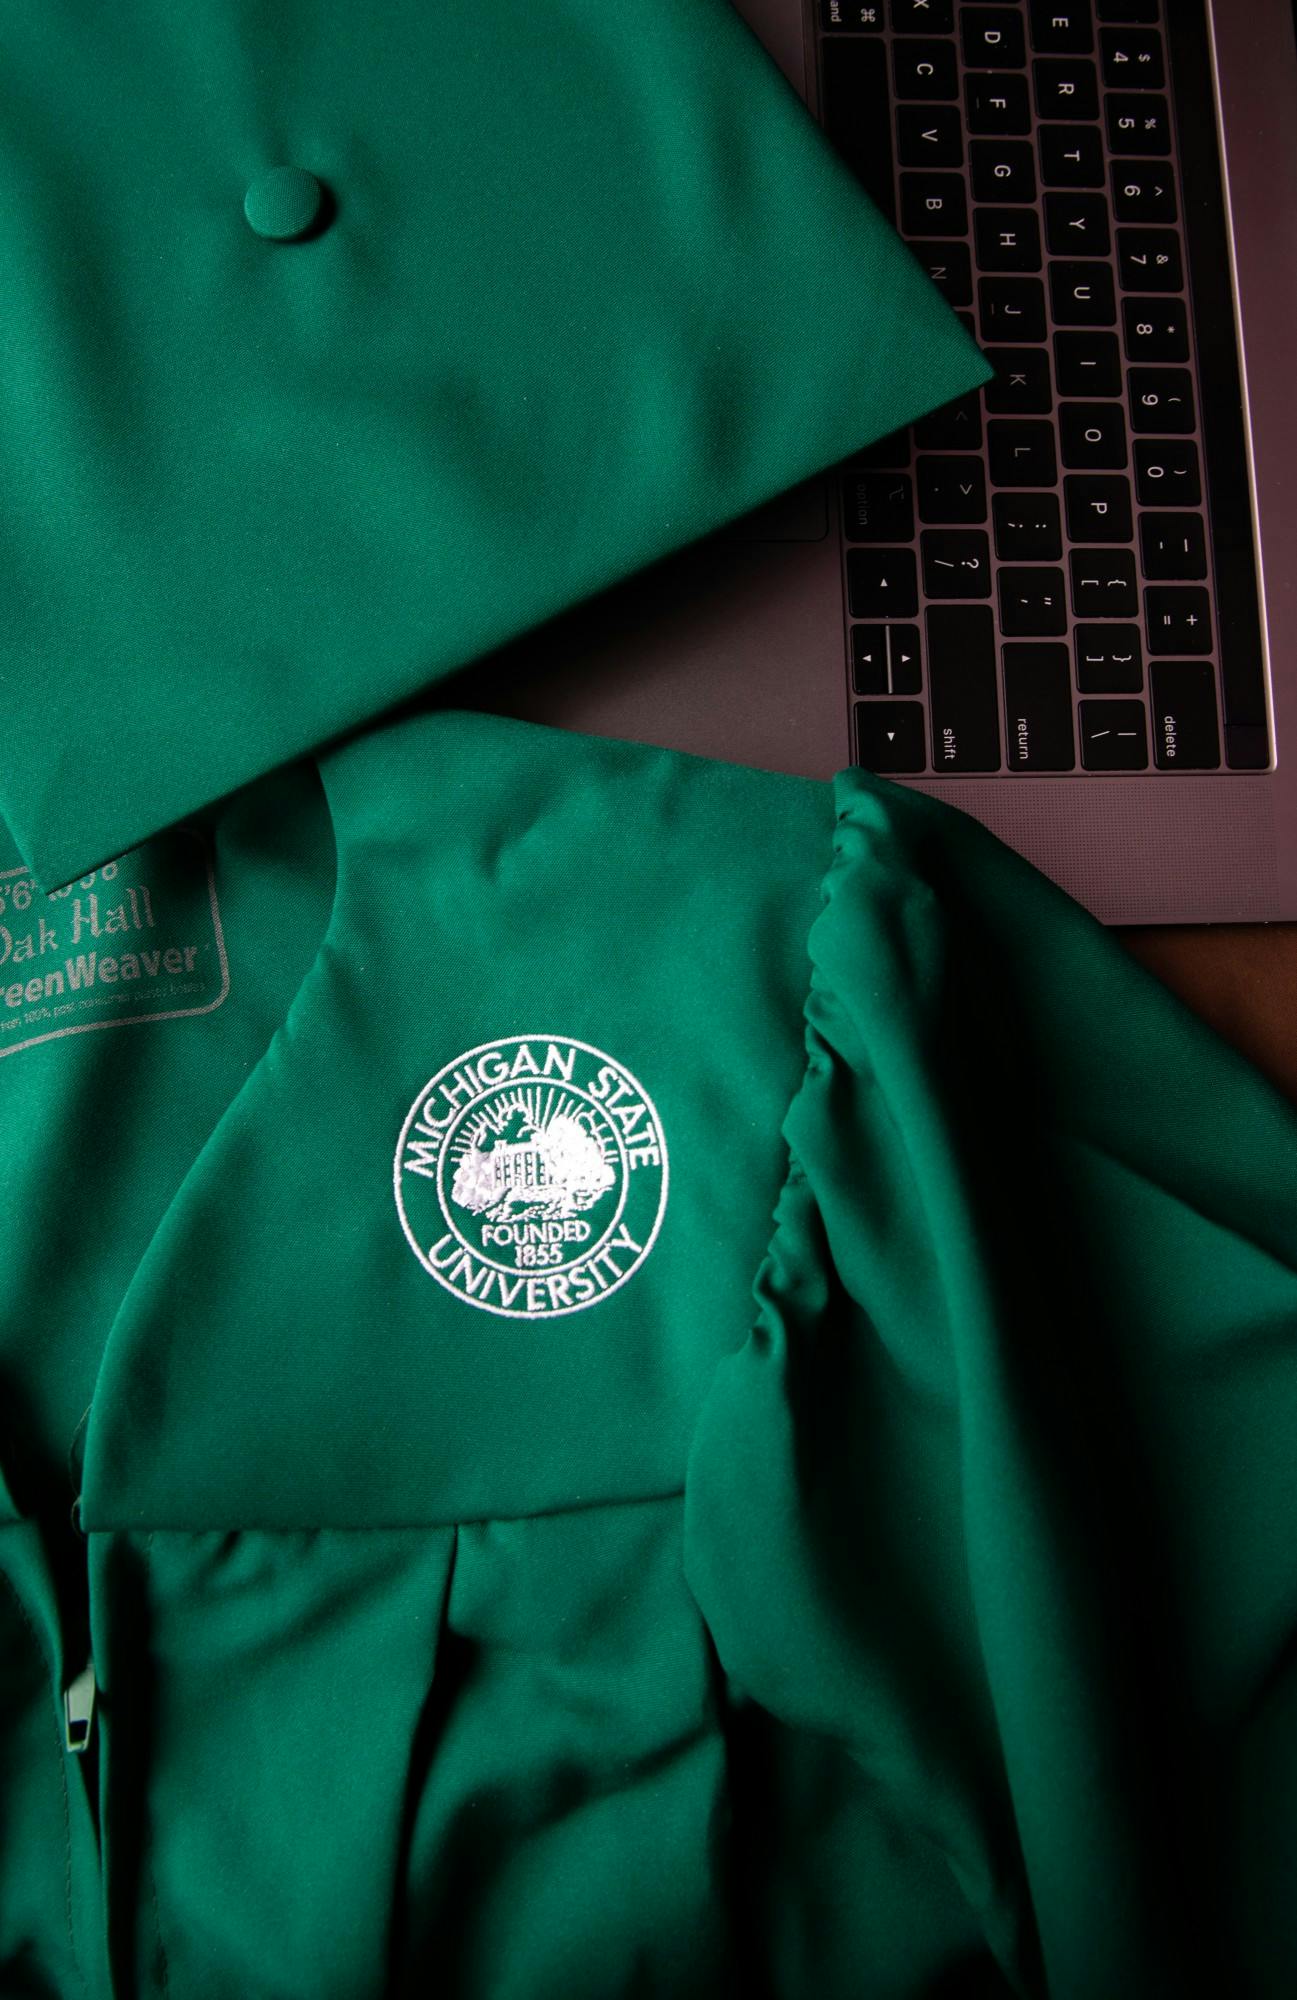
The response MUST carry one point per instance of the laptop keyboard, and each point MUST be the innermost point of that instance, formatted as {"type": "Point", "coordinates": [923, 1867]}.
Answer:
{"type": "Point", "coordinates": [1055, 574]}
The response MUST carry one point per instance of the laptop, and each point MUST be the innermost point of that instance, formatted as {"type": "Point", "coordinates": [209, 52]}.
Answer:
{"type": "Point", "coordinates": [1066, 604]}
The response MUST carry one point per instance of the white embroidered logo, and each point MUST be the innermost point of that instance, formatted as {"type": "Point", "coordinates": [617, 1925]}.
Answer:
{"type": "Point", "coordinates": [531, 1176]}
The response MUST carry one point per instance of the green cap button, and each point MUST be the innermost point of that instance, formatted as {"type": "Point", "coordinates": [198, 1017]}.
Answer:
{"type": "Point", "coordinates": [283, 203]}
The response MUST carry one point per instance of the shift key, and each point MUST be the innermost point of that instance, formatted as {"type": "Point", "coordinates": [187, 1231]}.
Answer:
{"type": "Point", "coordinates": [961, 685]}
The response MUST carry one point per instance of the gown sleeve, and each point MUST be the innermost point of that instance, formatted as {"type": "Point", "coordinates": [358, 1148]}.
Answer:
{"type": "Point", "coordinates": [999, 1496]}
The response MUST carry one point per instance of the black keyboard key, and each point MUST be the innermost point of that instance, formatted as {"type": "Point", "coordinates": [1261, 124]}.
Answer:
{"type": "Point", "coordinates": [904, 665]}
{"type": "Point", "coordinates": [1127, 10]}
{"type": "Point", "coordinates": [857, 113]}
{"type": "Point", "coordinates": [1182, 699]}
{"type": "Point", "coordinates": [1087, 364]}
{"type": "Point", "coordinates": [1061, 27]}
{"type": "Point", "coordinates": [1156, 329]}
{"type": "Point", "coordinates": [956, 427]}
{"type": "Point", "coordinates": [1167, 472]}
{"type": "Point", "coordinates": [1161, 399]}
{"type": "Point", "coordinates": [1093, 436]}
{"type": "Point", "coordinates": [1038, 709]}
{"type": "Point", "coordinates": [1132, 59]}
{"type": "Point", "coordinates": [1109, 659]}
{"type": "Point", "coordinates": [1140, 125]}
{"type": "Point", "coordinates": [1173, 546]}
{"type": "Point", "coordinates": [925, 70]}
{"type": "Point", "coordinates": [1098, 507]}
{"type": "Point", "coordinates": [1103, 583]}
{"type": "Point", "coordinates": [885, 659]}
{"type": "Point", "coordinates": [1113, 736]}
{"type": "Point", "coordinates": [1033, 603]}
{"type": "Point", "coordinates": [886, 453]}
{"type": "Point", "coordinates": [1177, 618]}
{"type": "Point", "coordinates": [956, 562]}
{"type": "Point", "coordinates": [1082, 294]}
{"type": "Point", "coordinates": [1068, 89]}
{"type": "Point", "coordinates": [1003, 170]}
{"type": "Point", "coordinates": [1021, 452]}
{"type": "Point", "coordinates": [1143, 191]}
{"type": "Point", "coordinates": [1076, 225]}
{"type": "Point", "coordinates": [869, 659]}
{"type": "Point", "coordinates": [923, 17]}
{"type": "Point", "coordinates": [1071, 156]}
{"type": "Point", "coordinates": [997, 106]}
{"type": "Point", "coordinates": [1021, 387]}
{"type": "Point", "coordinates": [992, 38]}
{"type": "Point", "coordinates": [930, 135]}
{"type": "Point", "coordinates": [859, 16]}
{"type": "Point", "coordinates": [1247, 746]}
{"type": "Point", "coordinates": [933, 205]}
{"type": "Point", "coordinates": [1149, 260]}
{"type": "Point", "coordinates": [962, 688]}
{"type": "Point", "coordinates": [1027, 527]}
{"type": "Point", "coordinates": [889, 736]}
{"type": "Point", "coordinates": [951, 490]}
{"type": "Point", "coordinates": [877, 507]}
{"type": "Point", "coordinates": [1011, 309]}
{"type": "Point", "coordinates": [1007, 239]}
{"type": "Point", "coordinates": [903, 661]}
{"type": "Point", "coordinates": [950, 267]}
{"type": "Point", "coordinates": [882, 583]}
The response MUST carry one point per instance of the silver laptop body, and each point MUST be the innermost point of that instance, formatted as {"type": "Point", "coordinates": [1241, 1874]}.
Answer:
{"type": "Point", "coordinates": [1107, 680]}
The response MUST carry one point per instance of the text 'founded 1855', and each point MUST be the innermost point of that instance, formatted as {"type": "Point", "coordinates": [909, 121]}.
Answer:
{"type": "Point", "coordinates": [531, 1176]}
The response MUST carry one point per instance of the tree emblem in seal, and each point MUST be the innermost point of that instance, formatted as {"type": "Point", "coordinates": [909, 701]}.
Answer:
{"type": "Point", "coordinates": [531, 1176]}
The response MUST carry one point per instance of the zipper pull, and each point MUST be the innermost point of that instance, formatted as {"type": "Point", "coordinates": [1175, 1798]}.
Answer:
{"type": "Point", "coordinates": [79, 1709]}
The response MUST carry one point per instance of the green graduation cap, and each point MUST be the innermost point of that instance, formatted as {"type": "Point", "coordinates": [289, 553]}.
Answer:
{"type": "Point", "coordinates": [341, 345]}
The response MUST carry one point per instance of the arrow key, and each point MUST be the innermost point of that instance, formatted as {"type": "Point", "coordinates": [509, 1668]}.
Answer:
{"type": "Point", "coordinates": [869, 659]}
{"type": "Point", "coordinates": [882, 583]}
{"type": "Point", "coordinates": [890, 736]}
{"type": "Point", "coordinates": [905, 673]}
{"type": "Point", "coordinates": [885, 659]}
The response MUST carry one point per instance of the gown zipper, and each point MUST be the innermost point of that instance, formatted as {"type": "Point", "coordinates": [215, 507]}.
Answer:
{"type": "Point", "coordinates": [79, 1709]}
{"type": "Point", "coordinates": [79, 1693]}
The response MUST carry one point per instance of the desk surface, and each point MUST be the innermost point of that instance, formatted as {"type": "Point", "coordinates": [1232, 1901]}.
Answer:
{"type": "Point", "coordinates": [1242, 978]}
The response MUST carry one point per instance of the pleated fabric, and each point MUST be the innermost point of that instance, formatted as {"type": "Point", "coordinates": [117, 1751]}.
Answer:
{"type": "Point", "coordinates": [888, 1588]}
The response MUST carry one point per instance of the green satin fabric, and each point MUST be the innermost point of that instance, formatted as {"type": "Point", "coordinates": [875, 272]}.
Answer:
{"type": "Point", "coordinates": [887, 1590]}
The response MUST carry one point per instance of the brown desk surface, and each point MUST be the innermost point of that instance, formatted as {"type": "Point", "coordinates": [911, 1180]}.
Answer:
{"type": "Point", "coordinates": [1242, 978]}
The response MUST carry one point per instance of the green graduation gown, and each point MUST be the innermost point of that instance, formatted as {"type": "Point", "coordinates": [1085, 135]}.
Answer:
{"type": "Point", "coordinates": [620, 1379]}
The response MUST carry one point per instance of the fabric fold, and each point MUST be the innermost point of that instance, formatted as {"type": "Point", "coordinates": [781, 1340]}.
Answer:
{"type": "Point", "coordinates": [586, 284]}
{"type": "Point", "coordinates": [474, 1230]}
{"type": "Point", "coordinates": [701, 1314]}
{"type": "Point", "coordinates": [997, 1495]}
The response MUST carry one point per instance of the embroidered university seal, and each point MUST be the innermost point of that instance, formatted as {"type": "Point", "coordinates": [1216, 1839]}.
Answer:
{"type": "Point", "coordinates": [531, 1176]}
